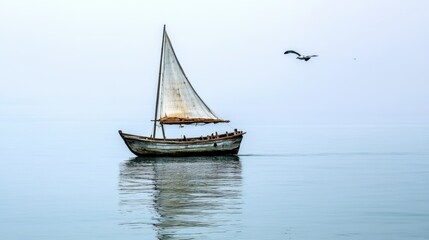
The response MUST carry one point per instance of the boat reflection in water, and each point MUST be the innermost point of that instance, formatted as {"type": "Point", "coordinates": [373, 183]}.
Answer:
{"type": "Point", "coordinates": [182, 198]}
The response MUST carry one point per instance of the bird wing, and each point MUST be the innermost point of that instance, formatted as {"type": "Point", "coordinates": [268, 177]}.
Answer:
{"type": "Point", "coordinates": [313, 56]}
{"type": "Point", "coordinates": [291, 51]}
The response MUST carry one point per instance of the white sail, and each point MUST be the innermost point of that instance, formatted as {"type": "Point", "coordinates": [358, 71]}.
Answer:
{"type": "Point", "coordinates": [179, 103]}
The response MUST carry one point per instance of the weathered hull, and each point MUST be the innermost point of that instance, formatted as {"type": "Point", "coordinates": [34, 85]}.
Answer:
{"type": "Point", "coordinates": [227, 144]}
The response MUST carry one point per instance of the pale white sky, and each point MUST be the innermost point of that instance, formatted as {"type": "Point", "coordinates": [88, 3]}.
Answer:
{"type": "Point", "coordinates": [94, 59]}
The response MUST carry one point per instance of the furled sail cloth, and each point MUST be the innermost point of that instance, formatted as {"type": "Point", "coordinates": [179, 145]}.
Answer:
{"type": "Point", "coordinates": [179, 103]}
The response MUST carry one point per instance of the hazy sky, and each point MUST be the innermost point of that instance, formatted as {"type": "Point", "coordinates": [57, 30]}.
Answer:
{"type": "Point", "coordinates": [94, 59]}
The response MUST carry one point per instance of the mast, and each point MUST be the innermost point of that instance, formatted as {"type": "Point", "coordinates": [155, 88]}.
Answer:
{"type": "Point", "coordinates": [159, 83]}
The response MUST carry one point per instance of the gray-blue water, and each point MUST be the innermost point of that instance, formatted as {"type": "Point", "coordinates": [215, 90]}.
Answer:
{"type": "Point", "coordinates": [77, 180]}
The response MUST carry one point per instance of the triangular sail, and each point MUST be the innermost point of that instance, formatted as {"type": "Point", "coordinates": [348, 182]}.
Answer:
{"type": "Point", "coordinates": [179, 103]}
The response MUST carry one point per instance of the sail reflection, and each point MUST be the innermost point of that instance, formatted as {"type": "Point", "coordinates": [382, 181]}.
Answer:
{"type": "Point", "coordinates": [182, 198]}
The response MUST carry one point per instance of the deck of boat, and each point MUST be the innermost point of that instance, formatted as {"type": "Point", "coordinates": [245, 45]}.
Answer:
{"type": "Point", "coordinates": [184, 139]}
{"type": "Point", "coordinates": [215, 144]}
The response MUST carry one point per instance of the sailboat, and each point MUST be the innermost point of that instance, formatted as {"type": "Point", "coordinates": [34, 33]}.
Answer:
{"type": "Point", "coordinates": [177, 103]}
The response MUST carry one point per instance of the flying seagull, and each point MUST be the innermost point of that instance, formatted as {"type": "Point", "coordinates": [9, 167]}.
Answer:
{"type": "Point", "coordinates": [301, 57]}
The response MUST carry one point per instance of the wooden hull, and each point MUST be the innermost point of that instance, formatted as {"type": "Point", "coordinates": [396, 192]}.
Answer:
{"type": "Point", "coordinates": [226, 144]}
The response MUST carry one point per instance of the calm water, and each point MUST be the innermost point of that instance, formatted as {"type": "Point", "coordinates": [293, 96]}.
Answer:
{"type": "Point", "coordinates": [77, 180]}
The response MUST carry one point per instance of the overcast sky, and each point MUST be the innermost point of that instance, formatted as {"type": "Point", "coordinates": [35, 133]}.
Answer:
{"type": "Point", "coordinates": [94, 59]}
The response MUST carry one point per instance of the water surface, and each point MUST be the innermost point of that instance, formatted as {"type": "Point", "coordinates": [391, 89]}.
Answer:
{"type": "Point", "coordinates": [77, 180]}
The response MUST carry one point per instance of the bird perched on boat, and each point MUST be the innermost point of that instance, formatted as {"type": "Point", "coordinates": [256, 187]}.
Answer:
{"type": "Point", "coordinates": [300, 57]}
